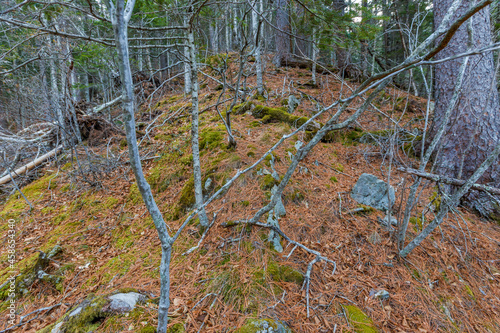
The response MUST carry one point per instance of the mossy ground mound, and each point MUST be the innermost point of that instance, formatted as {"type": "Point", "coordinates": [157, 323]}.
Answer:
{"type": "Point", "coordinates": [359, 320]}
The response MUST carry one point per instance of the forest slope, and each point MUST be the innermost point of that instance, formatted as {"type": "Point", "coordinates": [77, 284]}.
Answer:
{"type": "Point", "coordinates": [109, 243]}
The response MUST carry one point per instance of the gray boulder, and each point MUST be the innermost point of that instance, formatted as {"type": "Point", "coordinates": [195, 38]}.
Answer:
{"type": "Point", "coordinates": [373, 192]}
{"type": "Point", "coordinates": [124, 302]}
{"type": "Point", "coordinates": [88, 315]}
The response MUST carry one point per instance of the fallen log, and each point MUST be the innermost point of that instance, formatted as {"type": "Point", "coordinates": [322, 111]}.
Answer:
{"type": "Point", "coordinates": [25, 168]}
{"type": "Point", "coordinates": [450, 181]}
{"type": "Point", "coordinates": [100, 108]}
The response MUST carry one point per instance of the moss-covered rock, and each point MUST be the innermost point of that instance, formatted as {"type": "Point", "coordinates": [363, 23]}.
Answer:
{"type": "Point", "coordinates": [268, 114]}
{"type": "Point", "coordinates": [243, 107]}
{"type": "Point", "coordinates": [267, 183]}
{"type": "Point", "coordinates": [263, 325]}
{"type": "Point", "coordinates": [359, 320]}
{"type": "Point", "coordinates": [35, 271]}
{"type": "Point", "coordinates": [87, 316]}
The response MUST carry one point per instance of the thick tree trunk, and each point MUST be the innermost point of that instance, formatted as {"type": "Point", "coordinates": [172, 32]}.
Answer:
{"type": "Point", "coordinates": [474, 128]}
{"type": "Point", "coordinates": [283, 33]}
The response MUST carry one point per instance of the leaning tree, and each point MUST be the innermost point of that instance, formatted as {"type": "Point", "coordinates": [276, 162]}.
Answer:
{"type": "Point", "coordinates": [473, 129]}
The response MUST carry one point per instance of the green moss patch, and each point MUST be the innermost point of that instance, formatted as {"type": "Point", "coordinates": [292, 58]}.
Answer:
{"type": "Point", "coordinates": [212, 138]}
{"type": "Point", "coordinates": [283, 273]}
{"type": "Point", "coordinates": [242, 108]}
{"type": "Point", "coordinates": [359, 320]}
{"type": "Point", "coordinates": [16, 204]}
{"type": "Point", "coordinates": [267, 183]}
{"type": "Point", "coordinates": [263, 325]}
{"type": "Point", "coordinates": [268, 115]}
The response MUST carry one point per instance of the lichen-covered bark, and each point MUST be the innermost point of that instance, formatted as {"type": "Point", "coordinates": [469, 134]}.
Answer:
{"type": "Point", "coordinates": [474, 128]}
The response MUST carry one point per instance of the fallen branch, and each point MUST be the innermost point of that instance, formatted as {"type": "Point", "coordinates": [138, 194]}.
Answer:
{"type": "Point", "coordinates": [21, 323]}
{"type": "Point", "coordinates": [307, 281]}
{"type": "Point", "coordinates": [25, 168]}
{"type": "Point", "coordinates": [319, 257]}
{"type": "Point", "coordinates": [450, 181]}
{"type": "Point", "coordinates": [100, 108]}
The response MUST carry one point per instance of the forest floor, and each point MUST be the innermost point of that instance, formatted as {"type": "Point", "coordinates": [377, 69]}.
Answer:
{"type": "Point", "coordinates": [451, 283]}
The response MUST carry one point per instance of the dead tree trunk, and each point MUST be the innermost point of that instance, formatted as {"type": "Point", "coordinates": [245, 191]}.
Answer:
{"type": "Point", "coordinates": [474, 128]}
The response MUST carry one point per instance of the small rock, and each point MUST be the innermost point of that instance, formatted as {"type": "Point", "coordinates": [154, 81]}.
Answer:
{"type": "Point", "coordinates": [381, 294]}
{"type": "Point", "coordinates": [264, 326]}
{"type": "Point", "coordinates": [208, 183]}
{"type": "Point", "coordinates": [388, 220]}
{"type": "Point", "coordinates": [298, 144]}
{"type": "Point", "coordinates": [76, 311]}
{"type": "Point", "coordinates": [124, 302]}
{"type": "Point", "coordinates": [263, 172]}
{"type": "Point", "coordinates": [57, 328]}
{"type": "Point", "coordinates": [371, 191]}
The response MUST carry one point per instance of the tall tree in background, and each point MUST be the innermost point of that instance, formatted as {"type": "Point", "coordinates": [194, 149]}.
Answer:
{"type": "Point", "coordinates": [283, 33]}
{"type": "Point", "coordinates": [474, 128]}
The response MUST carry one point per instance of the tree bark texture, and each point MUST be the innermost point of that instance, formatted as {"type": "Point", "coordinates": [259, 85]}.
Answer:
{"type": "Point", "coordinates": [283, 33]}
{"type": "Point", "coordinates": [474, 128]}
{"type": "Point", "coordinates": [195, 141]}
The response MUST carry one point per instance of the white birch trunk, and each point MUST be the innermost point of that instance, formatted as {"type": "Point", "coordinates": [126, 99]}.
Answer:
{"type": "Point", "coordinates": [228, 35]}
{"type": "Point", "coordinates": [54, 88]}
{"type": "Point", "coordinates": [188, 85]}
{"type": "Point", "coordinates": [256, 21]}
{"type": "Point", "coordinates": [214, 37]}
{"type": "Point", "coordinates": [195, 144]}
{"type": "Point", "coordinates": [236, 36]}
{"type": "Point", "coordinates": [148, 63]}
{"type": "Point", "coordinates": [314, 56]}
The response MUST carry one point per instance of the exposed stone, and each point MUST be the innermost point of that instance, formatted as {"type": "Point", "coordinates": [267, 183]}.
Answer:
{"type": "Point", "coordinates": [373, 192]}
{"type": "Point", "coordinates": [381, 294]}
{"type": "Point", "coordinates": [124, 302]}
{"type": "Point", "coordinates": [388, 221]}
{"type": "Point", "coordinates": [208, 183]}
{"type": "Point", "coordinates": [88, 315]}
{"type": "Point", "coordinates": [298, 144]}
{"type": "Point", "coordinates": [293, 103]}
{"type": "Point", "coordinates": [57, 328]}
